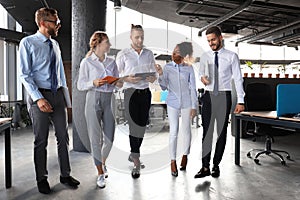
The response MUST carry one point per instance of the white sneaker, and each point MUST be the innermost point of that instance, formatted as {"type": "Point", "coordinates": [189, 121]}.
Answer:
{"type": "Point", "coordinates": [101, 181]}
{"type": "Point", "coordinates": [105, 170]}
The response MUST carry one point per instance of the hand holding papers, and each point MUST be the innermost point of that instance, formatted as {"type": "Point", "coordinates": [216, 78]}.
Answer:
{"type": "Point", "coordinates": [111, 79]}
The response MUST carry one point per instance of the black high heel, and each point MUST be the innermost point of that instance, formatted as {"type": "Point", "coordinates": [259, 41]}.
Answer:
{"type": "Point", "coordinates": [174, 172]}
{"type": "Point", "coordinates": [183, 163]}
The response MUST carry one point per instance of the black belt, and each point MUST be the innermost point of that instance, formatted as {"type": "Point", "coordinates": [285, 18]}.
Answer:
{"type": "Point", "coordinates": [139, 91]}
{"type": "Point", "coordinates": [48, 90]}
{"type": "Point", "coordinates": [220, 92]}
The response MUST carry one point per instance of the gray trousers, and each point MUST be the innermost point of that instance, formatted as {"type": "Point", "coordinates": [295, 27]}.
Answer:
{"type": "Point", "coordinates": [100, 123]}
{"type": "Point", "coordinates": [40, 124]}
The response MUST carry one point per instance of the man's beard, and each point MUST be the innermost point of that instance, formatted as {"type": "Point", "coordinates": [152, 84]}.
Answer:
{"type": "Point", "coordinates": [216, 46]}
{"type": "Point", "coordinates": [52, 32]}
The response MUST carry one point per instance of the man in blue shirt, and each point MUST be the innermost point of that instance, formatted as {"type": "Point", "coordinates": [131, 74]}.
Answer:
{"type": "Point", "coordinates": [42, 74]}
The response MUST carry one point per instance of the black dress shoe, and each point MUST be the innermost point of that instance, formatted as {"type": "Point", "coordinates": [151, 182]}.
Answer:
{"type": "Point", "coordinates": [202, 173]}
{"type": "Point", "coordinates": [215, 172]}
{"type": "Point", "coordinates": [69, 181]}
{"type": "Point", "coordinates": [43, 186]}
{"type": "Point", "coordinates": [135, 172]}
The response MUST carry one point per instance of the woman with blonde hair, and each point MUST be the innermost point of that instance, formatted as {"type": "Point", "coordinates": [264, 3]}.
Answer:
{"type": "Point", "coordinates": [99, 100]}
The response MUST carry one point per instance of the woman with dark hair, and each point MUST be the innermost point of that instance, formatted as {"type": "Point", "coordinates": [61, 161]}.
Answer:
{"type": "Point", "coordinates": [178, 78]}
{"type": "Point", "coordinates": [98, 106]}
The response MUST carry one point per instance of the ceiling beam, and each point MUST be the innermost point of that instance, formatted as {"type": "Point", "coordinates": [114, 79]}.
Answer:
{"type": "Point", "coordinates": [11, 36]}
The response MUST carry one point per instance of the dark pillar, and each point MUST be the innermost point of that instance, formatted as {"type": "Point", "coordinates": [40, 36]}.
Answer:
{"type": "Point", "coordinates": [87, 17]}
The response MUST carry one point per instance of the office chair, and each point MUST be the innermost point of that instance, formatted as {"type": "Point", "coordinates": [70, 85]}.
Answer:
{"type": "Point", "coordinates": [200, 94]}
{"type": "Point", "coordinates": [259, 98]}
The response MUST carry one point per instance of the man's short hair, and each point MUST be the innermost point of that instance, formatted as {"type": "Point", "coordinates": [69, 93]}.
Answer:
{"type": "Point", "coordinates": [43, 14]}
{"type": "Point", "coordinates": [136, 27]}
{"type": "Point", "coordinates": [215, 30]}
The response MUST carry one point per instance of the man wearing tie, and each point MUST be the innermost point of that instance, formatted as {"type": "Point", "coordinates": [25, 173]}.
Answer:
{"type": "Point", "coordinates": [217, 69]}
{"type": "Point", "coordinates": [42, 74]}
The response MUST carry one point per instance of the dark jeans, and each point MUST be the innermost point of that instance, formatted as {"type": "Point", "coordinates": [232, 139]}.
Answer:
{"type": "Point", "coordinates": [137, 105]}
{"type": "Point", "coordinates": [214, 108]}
{"type": "Point", "coordinates": [40, 124]}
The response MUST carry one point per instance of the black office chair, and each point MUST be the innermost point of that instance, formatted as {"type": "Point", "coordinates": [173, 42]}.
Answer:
{"type": "Point", "coordinates": [259, 98]}
{"type": "Point", "coordinates": [197, 118]}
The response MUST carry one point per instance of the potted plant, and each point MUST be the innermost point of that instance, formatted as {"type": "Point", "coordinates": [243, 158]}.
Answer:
{"type": "Point", "coordinates": [278, 72]}
{"type": "Point", "coordinates": [282, 69]}
{"type": "Point", "coordinates": [261, 67]}
{"type": "Point", "coordinates": [249, 65]}
{"type": "Point", "coordinates": [295, 69]}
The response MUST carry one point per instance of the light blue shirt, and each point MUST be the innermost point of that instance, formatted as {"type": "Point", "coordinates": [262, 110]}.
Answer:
{"type": "Point", "coordinates": [179, 80]}
{"type": "Point", "coordinates": [92, 68]}
{"type": "Point", "coordinates": [229, 68]}
{"type": "Point", "coordinates": [34, 68]}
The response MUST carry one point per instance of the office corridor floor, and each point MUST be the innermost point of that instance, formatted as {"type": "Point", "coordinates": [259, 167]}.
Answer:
{"type": "Point", "coordinates": [267, 181]}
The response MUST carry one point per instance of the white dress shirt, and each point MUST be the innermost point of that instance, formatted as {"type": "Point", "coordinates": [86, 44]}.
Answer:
{"type": "Point", "coordinates": [92, 68]}
{"type": "Point", "coordinates": [130, 62]}
{"type": "Point", "coordinates": [229, 68]}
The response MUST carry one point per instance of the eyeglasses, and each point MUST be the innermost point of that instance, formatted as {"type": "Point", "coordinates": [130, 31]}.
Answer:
{"type": "Point", "coordinates": [56, 22]}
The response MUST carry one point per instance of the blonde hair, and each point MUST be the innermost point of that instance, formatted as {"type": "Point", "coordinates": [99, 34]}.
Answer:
{"type": "Point", "coordinates": [96, 38]}
{"type": "Point", "coordinates": [44, 14]}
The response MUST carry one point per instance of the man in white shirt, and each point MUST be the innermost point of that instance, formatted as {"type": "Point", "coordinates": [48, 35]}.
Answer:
{"type": "Point", "coordinates": [137, 96]}
{"type": "Point", "coordinates": [217, 69]}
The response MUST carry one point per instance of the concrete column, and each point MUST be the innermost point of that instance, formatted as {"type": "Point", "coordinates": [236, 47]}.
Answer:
{"type": "Point", "coordinates": [87, 17]}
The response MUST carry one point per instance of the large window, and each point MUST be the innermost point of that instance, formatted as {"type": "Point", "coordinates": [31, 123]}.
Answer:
{"type": "Point", "coordinates": [3, 68]}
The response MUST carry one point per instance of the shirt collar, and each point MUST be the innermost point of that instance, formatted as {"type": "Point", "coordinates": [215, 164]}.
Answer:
{"type": "Point", "coordinates": [135, 50]}
{"type": "Point", "coordinates": [42, 36]}
{"type": "Point", "coordinates": [175, 64]}
{"type": "Point", "coordinates": [219, 51]}
{"type": "Point", "coordinates": [94, 57]}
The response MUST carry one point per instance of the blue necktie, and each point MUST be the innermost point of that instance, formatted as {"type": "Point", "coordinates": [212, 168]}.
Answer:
{"type": "Point", "coordinates": [53, 74]}
{"type": "Point", "coordinates": [216, 75]}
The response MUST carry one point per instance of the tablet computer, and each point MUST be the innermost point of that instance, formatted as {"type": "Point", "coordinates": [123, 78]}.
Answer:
{"type": "Point", "coordinates": [145, 74]}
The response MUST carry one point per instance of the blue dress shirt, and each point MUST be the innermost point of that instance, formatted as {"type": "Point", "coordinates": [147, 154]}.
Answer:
{"type": "Point", "coordinates": [34, 65]}
{"type": "Point", "coordinates": [179, 80]}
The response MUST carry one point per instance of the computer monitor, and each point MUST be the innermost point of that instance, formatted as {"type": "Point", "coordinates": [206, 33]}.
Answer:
{"type": "Point", "coordinates": [288, 99]}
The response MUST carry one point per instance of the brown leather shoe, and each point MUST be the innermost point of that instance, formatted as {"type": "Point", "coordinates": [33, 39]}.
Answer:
{"type": "Point", "coordinates": [183, 163]}
{"type": "Point", "coordinates": [174, 170]}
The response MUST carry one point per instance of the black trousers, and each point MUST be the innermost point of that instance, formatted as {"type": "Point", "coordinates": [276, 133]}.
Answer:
{"type": "Point", "coordinates": [40, 125]}
{"type": "Point", "coordinates": [214, 109]}
{"type": "Point", "coordinates": [137, 105]}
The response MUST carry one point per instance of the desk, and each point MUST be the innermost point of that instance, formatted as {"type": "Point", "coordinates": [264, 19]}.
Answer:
{"type": "Point", "coordinates": [5, 124]}
{"type": "Point", "coordinates": [265, 117]}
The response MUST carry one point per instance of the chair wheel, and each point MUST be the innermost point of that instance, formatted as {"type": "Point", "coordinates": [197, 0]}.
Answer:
{"type": "Point", "coordinates": [283, 163]}
{"type": "Point", "coordinates": [249, 155]}
{"type": "Point", "coordinates": [256, 161]}
{"type": "Point", "coordinates": [288, 157]}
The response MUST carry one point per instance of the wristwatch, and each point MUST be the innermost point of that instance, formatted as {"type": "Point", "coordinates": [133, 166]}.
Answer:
{"type": "Point", "coordinates": [242, 104]}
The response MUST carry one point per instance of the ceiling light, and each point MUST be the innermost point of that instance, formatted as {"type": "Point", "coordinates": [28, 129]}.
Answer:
{"type": "Point", "coordinates": [117, 5]}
